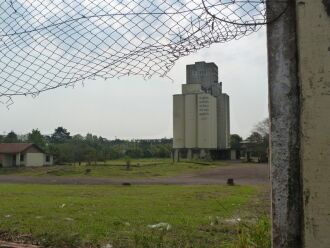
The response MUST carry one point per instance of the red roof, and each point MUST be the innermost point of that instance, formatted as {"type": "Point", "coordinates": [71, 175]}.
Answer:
{"type": "Point", "coordinates": [15, 147]}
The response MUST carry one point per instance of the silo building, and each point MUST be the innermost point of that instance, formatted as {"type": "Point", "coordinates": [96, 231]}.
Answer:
{"type": "Point", "coordinates": [201, 119]}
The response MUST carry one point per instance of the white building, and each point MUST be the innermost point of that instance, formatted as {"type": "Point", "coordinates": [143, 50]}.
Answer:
{"type": "Point", "coordinates": [201, 113]}
{"type": "Point", "coordinates": [23, 154]}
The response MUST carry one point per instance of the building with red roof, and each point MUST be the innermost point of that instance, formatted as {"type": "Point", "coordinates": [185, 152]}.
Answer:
{"type": "Point", "coordinates": [23, 154]}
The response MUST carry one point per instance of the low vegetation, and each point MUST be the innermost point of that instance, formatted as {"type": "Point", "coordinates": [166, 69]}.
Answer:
{"type": "Point", "coordinates": [254, 234]}
{"type": "Point", "coordinates": [138, 168]}
{"type": "Point", "coordinates": [133, 216]}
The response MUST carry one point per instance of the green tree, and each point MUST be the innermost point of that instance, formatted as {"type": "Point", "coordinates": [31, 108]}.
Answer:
{"type": "Point", "coordinates": [262, 127]}
{"type": "Point", "coordinates": [115, 152]}
{"type": "Point", "coordinates": [235, 141]}
{"type": "Point", "coordinates": [79, 148]}
{"type": "Point", "coordinates": [255, 137]}
{"type": "Point", "coordinates": [37, 138]}
{"type": "Point", "coordinates": [11, 137]}
{"type": "Point", "coordinates": [63, 153]}
{"type": "Point", "coordinates": [60, 135]}
{"type": "Point", "coordinates": [260, 138]}
{"type": "Point", "coordinates": [91, 155]}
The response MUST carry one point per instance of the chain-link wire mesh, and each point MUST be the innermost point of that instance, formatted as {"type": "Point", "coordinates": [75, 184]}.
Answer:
{"type": "Point", "coordinates": [45, 44]}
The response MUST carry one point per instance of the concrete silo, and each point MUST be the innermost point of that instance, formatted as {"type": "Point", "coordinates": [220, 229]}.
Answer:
{"type": "Point", "coordinates": [201, 113]}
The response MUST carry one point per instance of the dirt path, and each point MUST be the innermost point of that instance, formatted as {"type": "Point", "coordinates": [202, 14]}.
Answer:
{"type": "Point", "coordinates": [241, 173]}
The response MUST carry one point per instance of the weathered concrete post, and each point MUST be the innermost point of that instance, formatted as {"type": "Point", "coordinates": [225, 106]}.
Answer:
{"type": "Point", "coordinates": [313, 29]}
{"type": "Point", "coordinates": [284, 119]}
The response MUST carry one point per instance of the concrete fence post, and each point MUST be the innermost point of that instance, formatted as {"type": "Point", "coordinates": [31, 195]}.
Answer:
{"type": "Point", "coordinates": [284, 107]}
{"type": "Point", "coordinates": [313, 38]}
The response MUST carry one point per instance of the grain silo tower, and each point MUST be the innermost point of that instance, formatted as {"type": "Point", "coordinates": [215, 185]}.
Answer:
{"type": "Point", "coordinates": [201, 113]}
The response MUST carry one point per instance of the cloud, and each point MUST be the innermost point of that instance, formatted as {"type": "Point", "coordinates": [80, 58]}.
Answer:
{"type": "Point", "coordinates": [72, 41]}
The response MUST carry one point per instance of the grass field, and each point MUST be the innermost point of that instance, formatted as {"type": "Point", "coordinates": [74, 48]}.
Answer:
{"type": "Point", "coordinates": [93, 216]}
{"type": "Point", "coordinates": [140, 168]}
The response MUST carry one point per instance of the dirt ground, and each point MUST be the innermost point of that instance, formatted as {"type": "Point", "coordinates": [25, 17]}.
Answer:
{"type": "Point", "coordinates": [241, 173]}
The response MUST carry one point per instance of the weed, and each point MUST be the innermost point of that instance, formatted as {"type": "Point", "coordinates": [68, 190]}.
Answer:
{"type": "Point", "coordinates": [255, 235]}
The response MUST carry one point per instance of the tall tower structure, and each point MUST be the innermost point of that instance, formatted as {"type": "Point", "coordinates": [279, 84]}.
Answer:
{"type": "Point", "coordinates": [205, 74]}
{"type": "Point", "coordinates": [201, 113]}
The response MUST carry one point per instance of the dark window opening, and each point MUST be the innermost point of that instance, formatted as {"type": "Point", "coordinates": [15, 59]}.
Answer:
{"type": "Point", "coordinates": [21, 157]}
{"type": "Point", "coordinates": [47, 158]}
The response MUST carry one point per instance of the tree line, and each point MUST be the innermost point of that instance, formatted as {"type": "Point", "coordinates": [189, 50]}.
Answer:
{"type": "Point", "coordinates": [68, 148]}
{"type": "Point", "coordinates": [258, 140]}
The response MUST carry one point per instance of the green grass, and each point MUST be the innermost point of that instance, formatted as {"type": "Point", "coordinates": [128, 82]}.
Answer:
{"type": "Point", "coordinates": [140, 168]}
{"type": "Point", "coordinates": [254, 235]}
{"type": "Point", "coordinates": [89, 216]}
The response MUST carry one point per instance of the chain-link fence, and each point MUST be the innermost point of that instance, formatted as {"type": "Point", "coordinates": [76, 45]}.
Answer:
{"type": "Point", "coordinates": [45, 44]}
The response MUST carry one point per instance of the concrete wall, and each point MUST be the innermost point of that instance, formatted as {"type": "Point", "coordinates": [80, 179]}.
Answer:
{"type": "Point", "coordinates": [194, 121]}
{"type": "Point", "coordinates": [191, 88]}
{"type": "Point", "coordinates": [314, 72]}
{"type": "Point", "coordinates": [191, 121]}
{"type": "Point", "coordinates": [178, 121]}
{"type": "Point", "coordinates": [216, 89]}
{"type": "Point", "coordinates": [227, 107]}
{"type": "Point", "coordinates": [223, 122]}
{"type": "Point", "coordinates": [202, 73]}
{"type": "Point", "coordinates": [207, 121]}
{"type": "Point", "coordinates": [35, 159]}
{"type": "Point", "coordinates": [7, 160]}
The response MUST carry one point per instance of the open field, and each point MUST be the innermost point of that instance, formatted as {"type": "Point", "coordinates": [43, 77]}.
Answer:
{"type": "Point", "coordinates": [115, 168]}
{"type": "Point", "coordinates": [140, 168]}
{"type": "Point", "coordinates": [178, 174]}
{"type": "Point", "coordinates": [189, 199]}
{"type": "Point", "coordinates": [88, 216]}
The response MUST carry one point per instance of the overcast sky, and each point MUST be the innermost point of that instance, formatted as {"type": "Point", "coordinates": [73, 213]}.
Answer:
{"type": "Point", "coordinates": [132, 107]}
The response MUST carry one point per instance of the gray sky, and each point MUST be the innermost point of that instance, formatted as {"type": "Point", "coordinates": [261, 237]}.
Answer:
{"type": "Point", "coordinates": [132, 107]}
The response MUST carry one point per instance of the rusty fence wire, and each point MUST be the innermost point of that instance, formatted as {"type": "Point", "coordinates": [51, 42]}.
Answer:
{"type": "Point", "coordinates": [45, 44]}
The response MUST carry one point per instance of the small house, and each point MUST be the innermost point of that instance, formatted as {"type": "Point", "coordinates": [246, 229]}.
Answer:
{"type": "Point", "coordinates": [23, 154]}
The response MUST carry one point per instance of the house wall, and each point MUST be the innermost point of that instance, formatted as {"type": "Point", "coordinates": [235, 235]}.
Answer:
{"type": "Point", "coordinates": [51, 161]}
{"type": "Point", "coordinates": [7, 160]}
{"type": "Point", "coordinates": [18, 161]}
{"type": "Point", "coordinates": [313, 25]}
{"type": "Point", "coordinates": [32, 149]}
{"type": "Point", "coordinates": [35, 159]}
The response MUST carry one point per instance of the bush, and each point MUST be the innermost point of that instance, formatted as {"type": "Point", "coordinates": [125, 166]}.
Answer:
{"type": "Point", "coordinates": [257, 235]}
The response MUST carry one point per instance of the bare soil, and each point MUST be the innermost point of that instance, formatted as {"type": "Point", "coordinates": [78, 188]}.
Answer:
{"type": "Point", "coordinates": [243, 174]}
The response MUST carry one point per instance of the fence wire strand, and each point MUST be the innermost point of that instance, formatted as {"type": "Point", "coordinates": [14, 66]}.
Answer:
{"type": "Point", "coordinates": [46, 44]}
